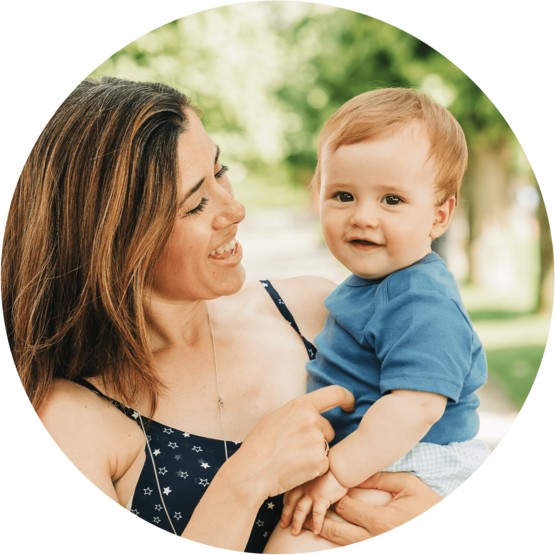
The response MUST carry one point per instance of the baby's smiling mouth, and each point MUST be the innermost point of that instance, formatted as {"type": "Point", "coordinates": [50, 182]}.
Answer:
{"type": "Point", "coordinates": [363, 242]}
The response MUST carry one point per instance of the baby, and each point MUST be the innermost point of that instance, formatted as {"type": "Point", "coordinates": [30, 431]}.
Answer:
{"type": "Point", "coordinates": [390, 164]}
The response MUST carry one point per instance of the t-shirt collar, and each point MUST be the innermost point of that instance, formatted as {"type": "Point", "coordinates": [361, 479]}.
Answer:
{"type": "Point", "coordinates": [355, 281]}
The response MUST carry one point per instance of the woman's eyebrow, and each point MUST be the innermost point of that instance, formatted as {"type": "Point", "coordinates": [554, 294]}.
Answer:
{"type": "Point", "coordinates": [199, 184]}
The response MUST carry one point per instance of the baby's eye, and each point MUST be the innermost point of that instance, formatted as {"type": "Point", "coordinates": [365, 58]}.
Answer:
{"type": "Point", "coordinates": [344, 197]}
{"type": "Point", "coordinates": [392, 200]}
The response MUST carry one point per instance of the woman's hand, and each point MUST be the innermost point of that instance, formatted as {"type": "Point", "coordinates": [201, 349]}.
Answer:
{"type": "Point", "coordinates": [286, 448]}
{"type": "Point", "coordinates": [411, 498]}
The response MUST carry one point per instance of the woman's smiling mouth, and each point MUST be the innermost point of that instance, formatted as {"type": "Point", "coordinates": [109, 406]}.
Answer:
{"type": "Point", "coordinates": [225, 251]}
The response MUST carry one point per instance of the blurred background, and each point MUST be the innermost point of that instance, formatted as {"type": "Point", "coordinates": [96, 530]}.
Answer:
{"type": "Point", "coordinates": [268, 74]}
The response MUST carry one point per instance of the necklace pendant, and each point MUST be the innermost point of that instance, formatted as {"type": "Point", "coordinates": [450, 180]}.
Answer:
{"type": "Point", "coordinates": [220, 401]}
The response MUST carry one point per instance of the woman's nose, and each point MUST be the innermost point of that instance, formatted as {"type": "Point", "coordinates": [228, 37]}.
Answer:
{"type": "Point", "coordinates": [232, 212]}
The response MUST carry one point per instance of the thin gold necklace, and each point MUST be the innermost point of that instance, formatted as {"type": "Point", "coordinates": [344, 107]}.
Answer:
{"type": "Point", "coordinates": [220, 404]}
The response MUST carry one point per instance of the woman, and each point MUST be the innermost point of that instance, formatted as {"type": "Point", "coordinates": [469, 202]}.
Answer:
{"type": "Point", "coordinates": [124, 299]}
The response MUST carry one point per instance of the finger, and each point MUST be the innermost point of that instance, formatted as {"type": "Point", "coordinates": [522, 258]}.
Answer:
{"type": "Point", "coordinates": [358, 512]}
{"type": "Point", "coordinates": [301, 510]}
{"type": "Point", "coordinates": [392, 482]}
{"type": "Point", "coordinates": [343, 533]}
{"type": "Point", "coordinates": [318, 513]}
{"type": "Point", "coordinates": [330, 397]}
{"type": "Point", "coordinates": [327, 430]}
{"type": "Point", "coordinates": [289, 504]}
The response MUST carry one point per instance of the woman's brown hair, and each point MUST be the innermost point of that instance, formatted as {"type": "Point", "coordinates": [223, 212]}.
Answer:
{"type": "Point", "coordinates": [92, 212]}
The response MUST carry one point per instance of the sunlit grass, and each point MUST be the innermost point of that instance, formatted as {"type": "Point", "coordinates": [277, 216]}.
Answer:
{"type": "Point", "coordinates": [513, 336]}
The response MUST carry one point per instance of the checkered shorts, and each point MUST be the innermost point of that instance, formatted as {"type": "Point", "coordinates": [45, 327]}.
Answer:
{"type": "Point", "coordinates": [443, 467]}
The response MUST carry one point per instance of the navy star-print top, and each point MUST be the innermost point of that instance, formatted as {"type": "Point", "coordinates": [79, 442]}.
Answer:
{"type": "Point", "coordinates": [187, 463]}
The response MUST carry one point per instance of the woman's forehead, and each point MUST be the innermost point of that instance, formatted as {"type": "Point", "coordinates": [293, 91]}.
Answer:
{"type": "Point", "coordinates": [197, 154]}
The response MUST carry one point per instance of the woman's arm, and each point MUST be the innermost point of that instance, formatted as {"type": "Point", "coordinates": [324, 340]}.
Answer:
{"type": "Point", "coordinates": [285, 449]}
{"type": "Point", "coordinates": [411, 498]}
{"type": "Point", "coordinates": [97, 438]}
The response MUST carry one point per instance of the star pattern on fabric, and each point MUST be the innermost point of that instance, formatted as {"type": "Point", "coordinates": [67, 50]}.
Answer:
{"type": "Point", "coordinates": [184, 469]}
{"type": "Point", "coordinates": [264, 284]}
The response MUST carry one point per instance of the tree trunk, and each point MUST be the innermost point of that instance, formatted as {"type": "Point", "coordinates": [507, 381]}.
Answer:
{"type": "Point", "coordinates": [545, 289]}
{"type": "Point", "coordinates": [485, 197]}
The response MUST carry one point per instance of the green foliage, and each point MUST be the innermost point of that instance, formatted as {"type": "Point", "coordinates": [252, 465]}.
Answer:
{"type": "Point", "coordinates": [514, 369]}
{"type": "Point", "coordinates": [268, 75]}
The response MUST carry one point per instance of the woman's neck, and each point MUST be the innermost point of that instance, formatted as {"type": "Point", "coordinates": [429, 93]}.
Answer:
{"type": "Point", "coordinates": [177, 324]}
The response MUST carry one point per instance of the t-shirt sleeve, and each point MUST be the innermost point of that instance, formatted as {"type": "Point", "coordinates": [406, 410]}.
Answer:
{"type": "Point", "coordinates": [423, 342]}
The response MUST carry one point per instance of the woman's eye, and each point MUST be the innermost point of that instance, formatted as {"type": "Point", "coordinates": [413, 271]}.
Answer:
{"type": "Point", "coordinates": [198, 208]}
{"type": "Point", "coordinates": [221, 172]}
{"type": "Point", "coordinates": [392, 200]}
{"type": "Point", "coordinates": [344, 197]}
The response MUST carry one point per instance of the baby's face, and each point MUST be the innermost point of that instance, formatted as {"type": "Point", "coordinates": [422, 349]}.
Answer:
{"type": "Point", "coordinates": [378, 204]}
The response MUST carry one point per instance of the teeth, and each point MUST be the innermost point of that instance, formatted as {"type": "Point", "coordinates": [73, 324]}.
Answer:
{"type": "Point", "coordinates": [224, 248]}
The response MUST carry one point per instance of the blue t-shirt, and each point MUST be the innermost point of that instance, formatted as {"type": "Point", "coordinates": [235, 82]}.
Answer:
{"type": "Point", "coordinates": [408, 330]}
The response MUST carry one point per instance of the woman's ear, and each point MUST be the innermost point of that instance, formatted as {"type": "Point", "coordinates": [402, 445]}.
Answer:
{"type": "Point", "coordinates": [442, 217]}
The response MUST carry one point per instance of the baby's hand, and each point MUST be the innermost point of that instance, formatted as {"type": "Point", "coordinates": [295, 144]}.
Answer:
{"type": "Point", "coordinates": [318, 495]}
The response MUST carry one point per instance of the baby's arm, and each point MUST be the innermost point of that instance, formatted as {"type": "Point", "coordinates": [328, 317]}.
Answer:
{"type": "Point", "coordinates": [391, 427]}
{"type": "Point", "coordinates": [388, 430]}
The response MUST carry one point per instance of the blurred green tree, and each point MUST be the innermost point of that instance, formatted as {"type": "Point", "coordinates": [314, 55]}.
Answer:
{"type": "Point", "coordinates": [268, 74]}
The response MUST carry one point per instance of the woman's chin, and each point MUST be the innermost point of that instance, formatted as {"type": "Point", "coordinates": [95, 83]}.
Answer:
{"type": "Point", "coordinates": [232, 283]}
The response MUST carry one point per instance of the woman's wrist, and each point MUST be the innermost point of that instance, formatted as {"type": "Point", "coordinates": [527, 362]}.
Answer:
{"type": "Point", "coordinates": [240, 482]}
{"type": "Point", "coordinates": [225, 515]}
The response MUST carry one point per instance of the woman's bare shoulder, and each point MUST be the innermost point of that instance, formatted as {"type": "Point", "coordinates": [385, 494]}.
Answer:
{"type": "Point", "coordinates": [304, 296]}
{"type": "Point", "coordinates": [98, 438]}
{"type": "Point", "coordinates": [313, 288]}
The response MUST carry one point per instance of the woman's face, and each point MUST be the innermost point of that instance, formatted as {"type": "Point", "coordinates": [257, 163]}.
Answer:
{"type": "Point", "coordinates": [191, 267]}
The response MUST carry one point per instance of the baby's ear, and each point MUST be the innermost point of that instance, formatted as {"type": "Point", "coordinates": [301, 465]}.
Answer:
{"type": "Point", "coordinates": [442, 217]}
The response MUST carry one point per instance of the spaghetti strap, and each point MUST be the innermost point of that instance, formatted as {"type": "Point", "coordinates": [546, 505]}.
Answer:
{"type": "Point", "coordinates": [278, 301]}
{"type": "Point", "coordinates": [126, 410]}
